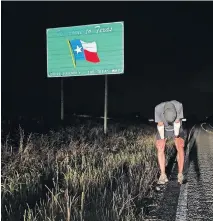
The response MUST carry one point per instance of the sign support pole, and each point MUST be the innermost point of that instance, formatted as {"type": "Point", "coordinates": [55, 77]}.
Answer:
{"type": "Point", "coordinates": [62, 99]}
{"type": "Point", "coordinates": [105, 104]}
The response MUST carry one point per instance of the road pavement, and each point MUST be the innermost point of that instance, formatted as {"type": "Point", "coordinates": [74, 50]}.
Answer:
{"type": "Point", "coordinates": [193, 200]}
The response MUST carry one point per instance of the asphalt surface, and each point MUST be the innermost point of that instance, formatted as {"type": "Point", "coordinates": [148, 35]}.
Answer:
{"type": "Point", "coordinates": [193, 200]}
{"type": "Point", "coordinates": [200, 177]}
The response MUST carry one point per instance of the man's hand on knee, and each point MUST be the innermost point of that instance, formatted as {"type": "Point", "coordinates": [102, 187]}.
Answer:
{"type": "Point", "coordinates": [179, 142]}
{"type": "Point", "coordinates": [160, 144]}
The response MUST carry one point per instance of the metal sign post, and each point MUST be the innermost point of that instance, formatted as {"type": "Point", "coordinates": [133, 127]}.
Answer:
{"type": "Point", "coordinates": [62, 99]}
{"type": "Point", "coordinates": [105, 104]}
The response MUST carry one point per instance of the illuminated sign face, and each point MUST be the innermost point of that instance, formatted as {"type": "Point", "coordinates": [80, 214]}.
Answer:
{"type": "Point", "coordinates": [85, 50]}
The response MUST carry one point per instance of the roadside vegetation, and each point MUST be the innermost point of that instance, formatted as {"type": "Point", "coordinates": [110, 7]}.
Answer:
{"type": "Point", "coordinates": [78, 173]}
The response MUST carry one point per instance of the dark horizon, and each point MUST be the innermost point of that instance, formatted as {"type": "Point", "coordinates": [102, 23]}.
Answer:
{"type": "Point", "coordinates": [168, 45]}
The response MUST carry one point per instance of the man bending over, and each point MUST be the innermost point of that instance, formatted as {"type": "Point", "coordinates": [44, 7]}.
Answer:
{"type": "Point", "coordinates": [168, 116]}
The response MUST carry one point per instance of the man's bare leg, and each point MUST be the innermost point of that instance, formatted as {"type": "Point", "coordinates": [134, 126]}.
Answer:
{"type": "Point", "coordinates": [160, 144]}
{"type": "Point", "coordinates": [180, 155]}
{"type": "Point", "coordinates": [161, 159]}
{"type": "Point", "coordinates": [179, 143]}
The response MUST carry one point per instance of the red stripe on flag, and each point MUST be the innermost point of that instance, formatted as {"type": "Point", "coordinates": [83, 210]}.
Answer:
{"type": "Point", "coordinates": [91, 56]}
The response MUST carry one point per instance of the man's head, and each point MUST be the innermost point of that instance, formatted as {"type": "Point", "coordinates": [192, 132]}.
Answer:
{"type": "Point", "coordinates": [170, 113]}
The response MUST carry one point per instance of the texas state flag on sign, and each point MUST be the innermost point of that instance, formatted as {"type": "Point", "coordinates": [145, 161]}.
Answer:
{"type": "Point", "coordinates": [85, 51]}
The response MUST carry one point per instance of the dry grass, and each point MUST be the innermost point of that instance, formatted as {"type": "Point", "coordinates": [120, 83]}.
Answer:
{"type": "Point", "coordinates": [79, 174]}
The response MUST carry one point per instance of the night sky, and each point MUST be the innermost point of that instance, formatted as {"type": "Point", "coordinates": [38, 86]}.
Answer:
{"type": "Point", "coordinates": [168, 55]}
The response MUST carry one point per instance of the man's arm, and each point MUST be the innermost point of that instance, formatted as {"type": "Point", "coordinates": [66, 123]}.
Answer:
{"type": "Point", "coordinates": [179, 108]}
{"type": "Point", "coordinates": [158, 120]}
{"type": "Point", "coordinates": [177, 123]}
{"type": "Point", "coordinates": [158, 113]}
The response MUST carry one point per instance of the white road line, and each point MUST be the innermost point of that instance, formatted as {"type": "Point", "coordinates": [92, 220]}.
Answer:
{"type": "Point", "coordinates": [181, 213]}
{"type": "Point", "coordinates": [210, 132]}
{"type": "Point", "coordinates": [211, 126]}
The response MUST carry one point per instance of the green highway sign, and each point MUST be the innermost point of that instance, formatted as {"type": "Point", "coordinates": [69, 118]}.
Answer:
{"type": "Point", "coordinates": [85, 50]}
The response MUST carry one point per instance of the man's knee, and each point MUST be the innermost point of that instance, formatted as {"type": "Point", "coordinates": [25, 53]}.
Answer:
{"type": "Point", "coordinates": [160, 145]}
{"type": "Point", "coordinates": [179, 143]}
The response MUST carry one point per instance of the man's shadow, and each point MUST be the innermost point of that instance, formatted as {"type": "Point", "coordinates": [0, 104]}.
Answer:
{"type": "Point", "coordinates": [191, 155]}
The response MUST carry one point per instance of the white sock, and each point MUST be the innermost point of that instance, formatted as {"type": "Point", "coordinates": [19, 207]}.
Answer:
{"type": "Point", "coordinates": [176, 128]}
{"type": "Point", "coordinates": [161, 131]}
